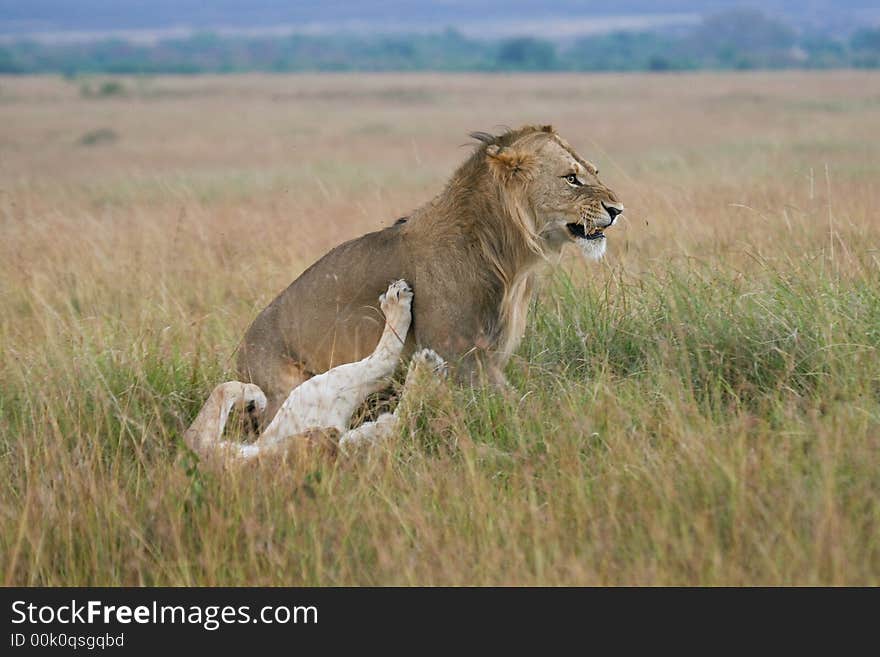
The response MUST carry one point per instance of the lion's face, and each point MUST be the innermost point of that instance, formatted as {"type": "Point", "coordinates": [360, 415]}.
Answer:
{"type": "Point", "coordinates": [569, 203]}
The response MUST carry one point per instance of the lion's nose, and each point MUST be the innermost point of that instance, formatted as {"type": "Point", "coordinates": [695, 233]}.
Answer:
{"type": "Point", "coordinates": [612, 210]}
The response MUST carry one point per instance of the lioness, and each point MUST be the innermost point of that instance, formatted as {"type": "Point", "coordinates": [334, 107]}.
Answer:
{"type": "Point", "coordinates": [470, 255]}
{"type": "Point", "coordinates": [323, 404]}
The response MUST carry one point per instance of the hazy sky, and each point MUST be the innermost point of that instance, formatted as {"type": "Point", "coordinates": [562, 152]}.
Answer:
{"type": "Point", "coordinates": [23, 16]}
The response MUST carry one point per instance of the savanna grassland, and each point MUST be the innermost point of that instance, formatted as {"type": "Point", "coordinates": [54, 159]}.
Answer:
{"type": "Point", "coordinates": [703, 407]}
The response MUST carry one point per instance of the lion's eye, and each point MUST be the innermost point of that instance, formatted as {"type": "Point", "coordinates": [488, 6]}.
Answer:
{"type": "Point", "coordinates": [572, 179]}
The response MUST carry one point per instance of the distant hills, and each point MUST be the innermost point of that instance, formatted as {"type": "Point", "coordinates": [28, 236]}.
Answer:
{"type": "Point", "coordinates": [226, 36]}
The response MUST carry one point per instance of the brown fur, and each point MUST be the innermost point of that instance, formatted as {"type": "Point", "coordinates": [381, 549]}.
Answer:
{"type": "Point", "coordinates": [470, 254]}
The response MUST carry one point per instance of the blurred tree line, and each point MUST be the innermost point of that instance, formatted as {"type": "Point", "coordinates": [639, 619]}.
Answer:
{"type": "Point", "coordinates": [735, 39]}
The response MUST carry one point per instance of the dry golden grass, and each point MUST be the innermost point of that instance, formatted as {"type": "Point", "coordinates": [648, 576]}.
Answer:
{"type": "Point", "coordinates": [701, 408]}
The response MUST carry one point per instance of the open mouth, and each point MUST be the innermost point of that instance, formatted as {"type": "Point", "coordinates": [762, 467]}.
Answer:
{"type": "Point", "coordinates": [579, 230]}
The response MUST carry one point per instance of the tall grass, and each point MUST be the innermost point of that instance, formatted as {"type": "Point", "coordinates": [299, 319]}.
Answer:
{"type": "Point", "coordinates": [690, 428]}
{"type": "Point", "coordinates": [702, 408]}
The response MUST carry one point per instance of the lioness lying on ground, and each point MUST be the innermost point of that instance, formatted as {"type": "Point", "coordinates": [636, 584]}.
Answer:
{"type": "Point", "coordinates": [470, 254]}
{"type": "Point", "coordinates": [322, 404]}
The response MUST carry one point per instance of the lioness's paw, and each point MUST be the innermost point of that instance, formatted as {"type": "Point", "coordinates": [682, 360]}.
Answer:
{"type": "Point", "coordinates": [399, 293]}
{"type": "Point", "coordinates": [431, 361]}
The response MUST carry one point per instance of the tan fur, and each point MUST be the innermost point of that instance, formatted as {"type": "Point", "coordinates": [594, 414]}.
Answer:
{"type": "Point", "coordinates": [471, 255]}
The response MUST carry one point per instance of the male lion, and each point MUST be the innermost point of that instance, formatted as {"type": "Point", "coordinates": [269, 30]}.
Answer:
{"type": "Point", "coordinates": [470, 255]}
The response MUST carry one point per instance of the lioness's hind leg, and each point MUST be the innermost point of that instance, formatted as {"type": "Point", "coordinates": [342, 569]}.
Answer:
{"type": "Point", "coordinates": [425, 366]}
{"type": "Point", "coordinates": [289, 375]}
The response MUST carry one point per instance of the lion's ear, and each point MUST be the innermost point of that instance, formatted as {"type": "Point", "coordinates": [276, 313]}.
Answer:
{"type": "Point", "coordinates": [509, 164]}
